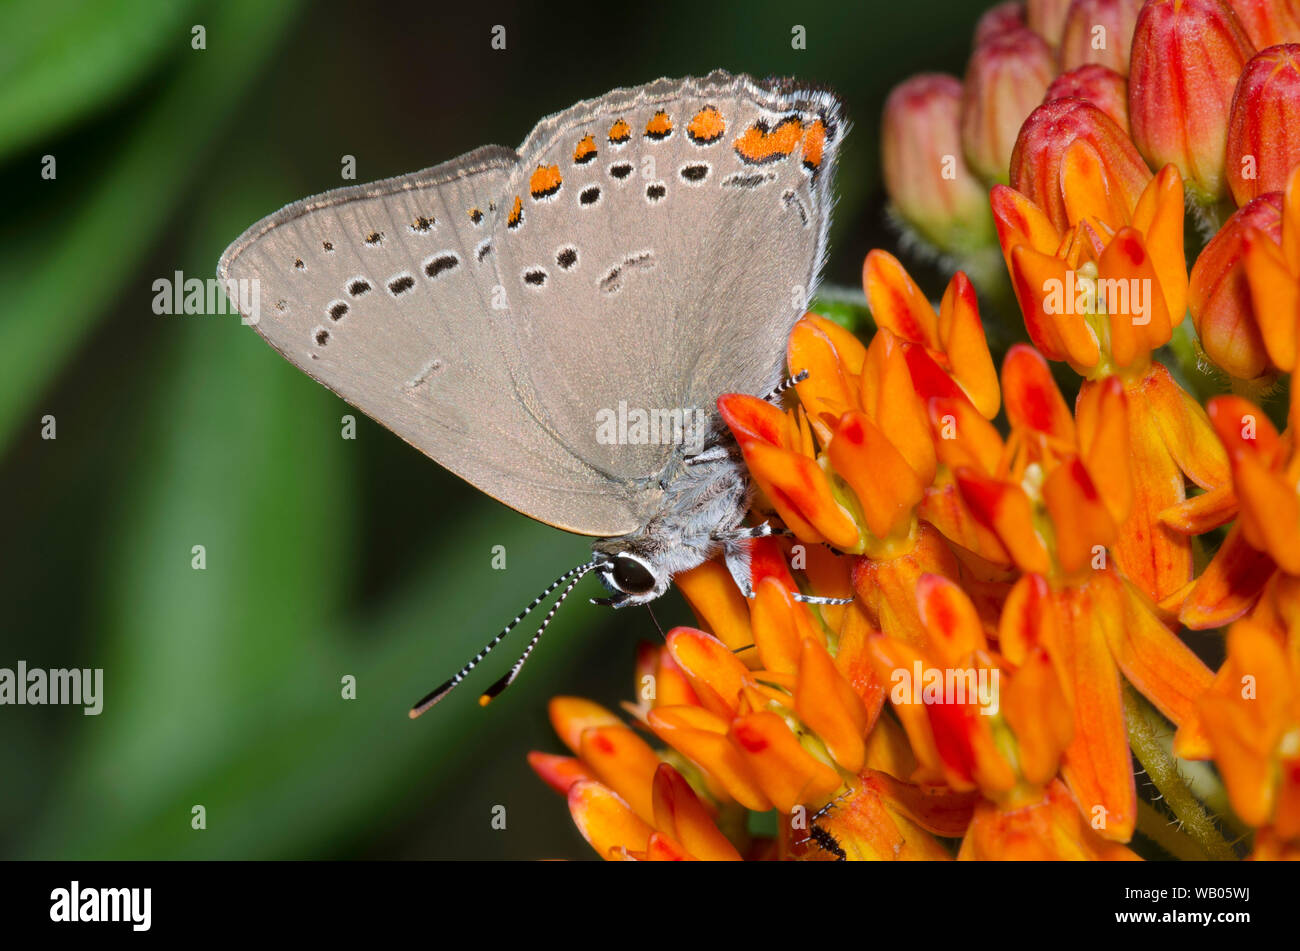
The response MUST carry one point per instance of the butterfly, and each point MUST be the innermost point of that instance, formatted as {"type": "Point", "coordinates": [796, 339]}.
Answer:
{"type": "Point", "coordinates": [555, 323]}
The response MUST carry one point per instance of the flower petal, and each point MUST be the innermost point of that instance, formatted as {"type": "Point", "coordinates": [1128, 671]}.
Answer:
{"type": "Point", "coordinates": [832, 358]}
{"type": "Point", "coordinates": [1039, 716]}
{"type": "Point", "coordinates": [935, 809]}
{"type": "Point", "coordinates": [1083, 523]}
{"type": "Point", "coordinates": [558, 772]}
{"type": "Point", "coordinates": [1046, 829]}
{"type": "Point", "coordinates": [1151, 657]}
{"type": "Point", "coordinates": [896, 303]}
{"type": "Point", "coordinates": [780, 626]}
{"type": "Point", "coordinates": [605, 820]}
{"type": "Point", "coordinates": [1086, 187]}
{"type": "Point", "coordinates": [1096, 764]}
{"type": "Point", "coordinates": [1159, 216]}
{"type": "Point", "coordinates": [1060, 336]}
{"type": "Point", "coordinates": [963, 437]}
{"type": "Point", "coordinates": [786, 772]}
{"type": "Point", "coordinates": [719, 605]}
{"type": "Point", "coordinates": [702, 738]}
{"type": "Point", "coordinates": [1156, 558]}
{"type": "Point", "coordinates": [624, 762]}
{"type": "Point", "coordinates": [1020, 221]}
{"type": "Point", "coordinates": [1101, 417]}
{"type": "Point", "coordinates": [886, 587]}
{"type": "Point", "coordinates": [1135, 303]}
{"type": "Point", "coordinates": [1244, 715]}
{"type": "Point", "coordinates": [966, 345]}
{"type": "Point", "coordinates": [1006, 510]}
{"type": "Point", "coordinates": [1032, 398]}
{"type": "Point", "coordinates": [950, 619]}
{"type": "Point", "coordinates": [1230, 584]}
{"type": "Point", "coordinates": [679, 813]}
{"type": "Point", "coordinates": [715, 673]}
{"type": "Point", "coordinates": [829, 706]}
{"type": "Point", "coordinates": [887, 488]}
{"type": "Point", "coordinates": [573, 716]}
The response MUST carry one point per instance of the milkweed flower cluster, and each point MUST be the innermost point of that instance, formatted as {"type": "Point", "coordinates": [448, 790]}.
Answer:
{"type": "Point", "coordinates": [1031, 539]}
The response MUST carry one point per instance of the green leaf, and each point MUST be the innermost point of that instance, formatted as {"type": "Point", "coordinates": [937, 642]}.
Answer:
{"type": "Point", "coordinates": [85, 261]}
{"type": "Point", "coordinates": [62, 59]}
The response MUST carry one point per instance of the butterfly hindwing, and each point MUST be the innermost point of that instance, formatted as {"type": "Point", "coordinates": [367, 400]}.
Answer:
{"type": "Point", "coordinates": [667, 239]}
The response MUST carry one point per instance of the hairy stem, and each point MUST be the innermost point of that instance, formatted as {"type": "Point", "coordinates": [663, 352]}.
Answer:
{"type": "Point", "coordinates": [1143, 734]}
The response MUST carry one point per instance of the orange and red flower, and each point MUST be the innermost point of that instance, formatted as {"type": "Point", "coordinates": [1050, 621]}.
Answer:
{"type": "Point", "coordinates": [1052, 557]}
{"type": "Point", "coordinates": [1187, 56]}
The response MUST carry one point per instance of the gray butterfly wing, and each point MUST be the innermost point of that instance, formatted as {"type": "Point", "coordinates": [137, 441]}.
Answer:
{"type": "Point", "coordinates": [660, 245]}
{"type": "Point", "coordinates": [384, 293]}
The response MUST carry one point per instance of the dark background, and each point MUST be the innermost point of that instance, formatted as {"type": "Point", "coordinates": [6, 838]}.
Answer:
{"type": "Point", "coordinates": [325, 557]}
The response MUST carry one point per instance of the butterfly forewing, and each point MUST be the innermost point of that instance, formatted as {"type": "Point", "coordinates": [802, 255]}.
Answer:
{"type": "Point", "coordinates": [387, 294]}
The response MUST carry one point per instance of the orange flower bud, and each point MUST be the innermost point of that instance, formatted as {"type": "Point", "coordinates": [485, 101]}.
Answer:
{"type": "Point", "coordinates": [1000, 19]}
{"type": "Point", "coordinates": [1006, 77]}
{"type": "Point", "coordinates": [1100, 85]}
{"type": "Point", "coordinates": [1040, 149]}
{"type": "Point", "coordinates": [1219, 293]}
{"type": "Point", "coordinates": [1186, 57]}
{"type": "Point", "coordinates": [1264, 125]}
{"type": "Point", "coordinates": [1269, 22]}
{"type": "Point", "coordinates": [926, 176]}
{"type": "Point", "coordinates": [1274, 274]}
{"type": "Point", "coordinates": [1047, 18]}
{"type": "Point", "coordinates": [1099, 31]}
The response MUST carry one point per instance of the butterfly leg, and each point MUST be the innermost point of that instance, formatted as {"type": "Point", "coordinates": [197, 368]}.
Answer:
{"type": "Point", "coordinates": [816, 599]}
{"type": "Point", "coordinates": [714, 454]}
{"type": "Point", "coordinates": [747, 532]}
{"type": "Point", "coordinates": [736, 553]}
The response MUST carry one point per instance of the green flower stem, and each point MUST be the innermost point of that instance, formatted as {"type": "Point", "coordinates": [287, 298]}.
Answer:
{"type": "Point", "coordinates": [1198, 825]}
{"type": "Point", "coordinates": [1189, 365]}
{"type": "Point", "coordinates": [1161, 830]}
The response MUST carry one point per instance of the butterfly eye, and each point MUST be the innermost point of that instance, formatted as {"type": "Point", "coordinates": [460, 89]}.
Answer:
{"type": "Point", "coordinates": [631, 576]}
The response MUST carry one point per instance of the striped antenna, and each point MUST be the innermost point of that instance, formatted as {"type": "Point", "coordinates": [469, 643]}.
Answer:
{"type": "Point", "coordinates": [499, 687]}
{"type": "Point", "coordinates": [785, 384]}
{"type": "Point", "coordinates": [441, 692]}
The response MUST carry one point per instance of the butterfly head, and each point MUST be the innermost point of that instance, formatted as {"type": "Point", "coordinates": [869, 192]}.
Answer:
{"type": "Point", "coordinates": [632, 577]}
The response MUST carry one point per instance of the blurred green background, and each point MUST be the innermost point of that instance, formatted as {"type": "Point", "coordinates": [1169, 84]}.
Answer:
{"type": "Point", "coordinates": [325, 557]}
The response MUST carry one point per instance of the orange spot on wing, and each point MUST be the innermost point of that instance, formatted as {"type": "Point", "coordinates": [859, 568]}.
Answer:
{"type": "Point", "coordinates": [706, 127]}
{"type": "Point", "coordinates": [545, 182]}
{"type": "Point", "coordinates": [814, 144]}
{"type": "Point", "coordinates": [659, 126]}
{"type": "Point", "coordinates": [585, 151]}
{"type": "Point", "coordinates": [758, 145]}
{"type": "Point", "coordinates": [620, 132]}
{"type": "Point", "coordinates": [516, 213]}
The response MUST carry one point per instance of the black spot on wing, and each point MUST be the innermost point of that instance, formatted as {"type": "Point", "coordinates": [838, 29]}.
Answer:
{"type": "Point", "coordinates": [440, 264]}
